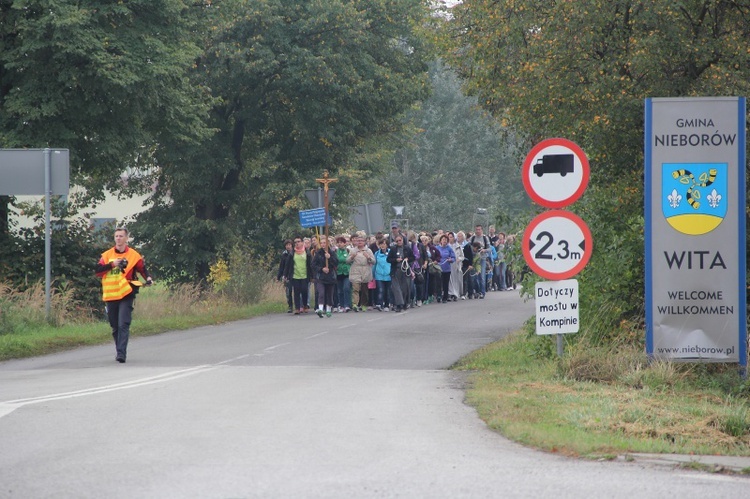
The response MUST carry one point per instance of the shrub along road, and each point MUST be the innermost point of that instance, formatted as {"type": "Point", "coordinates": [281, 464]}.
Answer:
{"type": "Point", "coordinates": [358, 405]}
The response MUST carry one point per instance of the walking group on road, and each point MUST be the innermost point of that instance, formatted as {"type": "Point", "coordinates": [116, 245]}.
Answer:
{"type": "Point", "coordinates": [394, 271]}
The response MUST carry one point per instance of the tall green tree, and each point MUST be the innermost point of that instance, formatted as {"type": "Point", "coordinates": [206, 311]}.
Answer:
{"type": "Point", "coordinates": [581, 70]}
{"type": "Point", "coordinates": [106, 80]}
{"type": "Point", "coordinates": [302, 87]}
{"type": "Point", "coordinates": [459, 159]}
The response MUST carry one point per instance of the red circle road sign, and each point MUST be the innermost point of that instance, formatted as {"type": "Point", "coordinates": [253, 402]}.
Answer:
{"type": "Point", "coordinates": [555, 173]}
{"type": "Point", "coordinates": [557, 244]}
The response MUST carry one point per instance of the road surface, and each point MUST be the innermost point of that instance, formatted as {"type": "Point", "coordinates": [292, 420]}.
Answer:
{"type": "Point", "coordinates": [357, 405]}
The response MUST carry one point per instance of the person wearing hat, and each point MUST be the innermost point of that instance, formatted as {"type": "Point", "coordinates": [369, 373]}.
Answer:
{"type": "Point", "coordinates": [401, 257]}
{"type": "Point", "coordinates": [395, 232]}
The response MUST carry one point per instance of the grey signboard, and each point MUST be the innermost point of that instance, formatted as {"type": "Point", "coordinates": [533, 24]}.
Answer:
{"type": "Point", "coordinates": [695, 229]}
{"type": "Point", "coordinates": [316, 197]}
{"type": "Point", "coordinates": [22, 172]}
{"type": "Point", "coordinates": [368, 217]}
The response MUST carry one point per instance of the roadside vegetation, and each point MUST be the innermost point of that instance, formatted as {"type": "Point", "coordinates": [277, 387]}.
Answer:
{"type": "Point", "coordinates": [608, 401]}
{"type": "Point", "coordinates": [25, 331]}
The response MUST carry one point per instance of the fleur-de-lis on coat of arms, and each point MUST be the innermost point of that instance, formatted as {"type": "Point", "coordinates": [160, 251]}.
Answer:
{"type": "Point", "coordinates": [674, 198]}
{"type": "Point", "coordinates": [713, 199]}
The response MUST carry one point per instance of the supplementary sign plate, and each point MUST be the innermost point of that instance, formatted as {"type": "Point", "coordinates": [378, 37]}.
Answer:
{"type": "Point", "coordinates": [557, 307]}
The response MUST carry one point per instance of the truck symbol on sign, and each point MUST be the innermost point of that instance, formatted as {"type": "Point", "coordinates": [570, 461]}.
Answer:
{"type": "Point", "coordinates": [554, 163]}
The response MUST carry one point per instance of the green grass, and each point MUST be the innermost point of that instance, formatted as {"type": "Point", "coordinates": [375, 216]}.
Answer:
{"type": "Point", "coordinates": [157, 310]}
{"type": "Point", "coordinates": [42, 340]}
{"type": "Point", "coordinates": [542, 403]}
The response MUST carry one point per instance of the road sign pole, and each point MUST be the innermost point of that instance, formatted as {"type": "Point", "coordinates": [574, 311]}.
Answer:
{"type": "Point", "coordinates": [556, 244]}
{"type": "Point", "coordinates": [367, 218]}
{"type": "Point", "coordinates": [47, 234]}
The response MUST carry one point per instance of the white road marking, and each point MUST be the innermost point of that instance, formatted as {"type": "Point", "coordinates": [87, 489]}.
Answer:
{"type": "Point", "coordinates": [9, 406]}
{"type": "Point", "coordinates": [269, 349]}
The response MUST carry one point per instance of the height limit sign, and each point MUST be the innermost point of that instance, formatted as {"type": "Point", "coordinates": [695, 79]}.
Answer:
{"type": "Point", "coordinates": [557, 244]}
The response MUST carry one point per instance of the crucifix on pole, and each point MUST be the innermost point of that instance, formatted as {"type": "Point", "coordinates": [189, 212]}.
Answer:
{"type": "Point", "coordinates": [325, 181]}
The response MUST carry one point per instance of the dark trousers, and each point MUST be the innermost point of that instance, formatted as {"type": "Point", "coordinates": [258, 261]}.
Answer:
{"type": "Point", "coordinates": [288, 289]}
{"type": "Point", "coordinates": [468, 282]}
{"type": "Point", "coordinates": [445, 279]}
{"type": "Point", "coordinates": [344, 289]}
{"type": "Point", "coordinates": [120, 314]}
{"type": "Point", "coordinates": [300, 289]}
{"type": "Point", "coordinates": [325, 292]}
{"type": "Point", "coordinates": [384, 293]}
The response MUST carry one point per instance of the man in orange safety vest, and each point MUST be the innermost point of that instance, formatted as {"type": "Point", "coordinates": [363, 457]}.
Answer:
{"type": "Point", "coordinates": [117, 269]}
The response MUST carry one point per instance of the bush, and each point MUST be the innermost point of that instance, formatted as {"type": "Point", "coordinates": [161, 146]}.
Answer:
{"type": "Point", "coordinates": [75, 248]}
{"type": "Point", "coordinates": [243, 281]}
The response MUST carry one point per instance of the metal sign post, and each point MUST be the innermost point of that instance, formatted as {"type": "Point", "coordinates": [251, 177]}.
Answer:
{"type": "Point", "coordinates": [556, 244]}
{"type": "Point", "coordinates": [30, 172]}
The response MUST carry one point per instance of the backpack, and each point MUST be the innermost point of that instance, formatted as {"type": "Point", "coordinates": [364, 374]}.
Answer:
{"type": "Point", "coordinates": [485, 241]}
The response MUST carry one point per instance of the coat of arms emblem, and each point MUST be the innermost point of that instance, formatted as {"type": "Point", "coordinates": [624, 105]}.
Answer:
{"type": "Point", "coordinates": [694, 196]}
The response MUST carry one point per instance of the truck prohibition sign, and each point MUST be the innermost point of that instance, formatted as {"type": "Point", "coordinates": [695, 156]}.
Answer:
{"type": "Point", "coordinates": [555, 173]}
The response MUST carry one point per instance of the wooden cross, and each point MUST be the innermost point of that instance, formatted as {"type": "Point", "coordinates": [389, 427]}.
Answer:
{"type": "Point", "coordinates": [325, 181]}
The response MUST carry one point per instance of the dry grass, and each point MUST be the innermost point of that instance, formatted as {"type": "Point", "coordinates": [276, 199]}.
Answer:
{"type": "Point", "coordinates": [28, 307]}
{"type": "Point", "coordinates": [25, 332]}
{"type": "Point", "coordinates": [598, 402]}
{"type": "Point", "coordinates": [158, 302]}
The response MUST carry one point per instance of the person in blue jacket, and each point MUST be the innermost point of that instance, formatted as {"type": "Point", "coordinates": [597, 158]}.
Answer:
{"type": "Point", "coordinates": [382, 274]}
{"type": "Point", "coordinates": [447, 257]}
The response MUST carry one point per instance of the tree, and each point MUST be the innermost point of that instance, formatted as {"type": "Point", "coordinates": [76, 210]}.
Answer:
{"type": "Point", "coordinates": [103, 79]}
{"type": "Point", "coordinates": [458, 160]}
{"type": "Point", "coordinates": [107, 80]}
{"type": "Point", "coordinates": [581, 70]}
{"type": "Point", "coordinates": [302, 87]}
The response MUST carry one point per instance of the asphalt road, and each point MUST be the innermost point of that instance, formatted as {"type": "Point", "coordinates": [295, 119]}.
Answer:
{"type": "Point", "coordinates": [358, 405]}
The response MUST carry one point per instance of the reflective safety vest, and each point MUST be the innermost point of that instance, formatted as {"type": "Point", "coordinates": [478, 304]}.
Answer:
{"type": "Point", "coordinates": [115, 285]}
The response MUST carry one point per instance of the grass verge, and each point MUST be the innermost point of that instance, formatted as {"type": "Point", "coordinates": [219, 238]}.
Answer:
{"type": "Point", "coordinates": [157, 310]}
{"type": "Point", "coordinates": [658, 408]}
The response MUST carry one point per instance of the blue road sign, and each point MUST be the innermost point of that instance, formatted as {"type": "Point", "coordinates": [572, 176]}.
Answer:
{"type": "Point", "coordinates": [313, 218]}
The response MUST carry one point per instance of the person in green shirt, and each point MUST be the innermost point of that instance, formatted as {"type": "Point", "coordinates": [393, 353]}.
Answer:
{"type": "Point", "coordinates": [298, 271]}
{"type": "Point", "coordinates": [343, 286]}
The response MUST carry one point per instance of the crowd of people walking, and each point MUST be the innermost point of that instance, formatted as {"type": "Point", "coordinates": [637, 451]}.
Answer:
{"type": "Point", "coordinates": [393, 271]}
